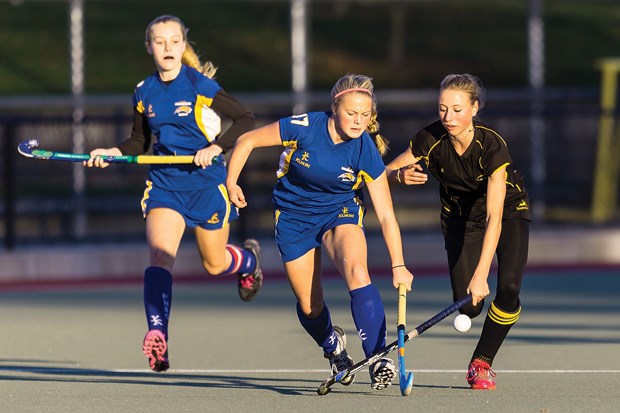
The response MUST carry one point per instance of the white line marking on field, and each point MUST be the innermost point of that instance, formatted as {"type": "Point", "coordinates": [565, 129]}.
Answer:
{"type": "Point", "coordinates": [212, 371]}
{"type": "Point", "coordinates": [208, 371]}
{"type": "Point", "coordinates": [78, 370]}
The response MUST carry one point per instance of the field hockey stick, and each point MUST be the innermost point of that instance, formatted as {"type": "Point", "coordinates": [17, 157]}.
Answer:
{"type": "Point", "coordinates": [27, 149]}
{"type": "Point", "coordinates": [324, 388]}
{"type": "Point", "coordinates": [405, 381]}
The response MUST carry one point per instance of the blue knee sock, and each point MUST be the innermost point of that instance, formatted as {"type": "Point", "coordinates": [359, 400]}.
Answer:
{"type": "Point", "coordinates": [157, 298]}
{"type": "Point", "coordinates": [369, 318]}
{"type": "Point", "coordinates": [243, 261]}
{"type": "Point", "coordinates": [320, 328]}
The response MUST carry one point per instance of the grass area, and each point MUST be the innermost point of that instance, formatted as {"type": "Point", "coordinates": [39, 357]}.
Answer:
{"type": "Point", "coordinates": [249, 42]}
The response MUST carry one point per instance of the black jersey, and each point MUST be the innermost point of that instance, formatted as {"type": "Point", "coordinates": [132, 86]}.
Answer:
{"type": "Point", "coordinates": [463, 178]}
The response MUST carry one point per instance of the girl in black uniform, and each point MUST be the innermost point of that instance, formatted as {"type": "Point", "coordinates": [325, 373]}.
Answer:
{"type": "Point", "coordinates": [485, 211]}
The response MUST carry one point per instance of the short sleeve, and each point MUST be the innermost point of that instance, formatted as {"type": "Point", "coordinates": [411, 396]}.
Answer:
{"type": "Point", "coordinates": [495, 153]}
{"type": "Point", "coordinates": [371, 164]}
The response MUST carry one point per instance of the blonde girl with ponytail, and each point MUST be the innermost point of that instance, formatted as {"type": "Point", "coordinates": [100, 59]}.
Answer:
{"type": "Point", "coordinates": [182, 106]}
{"type": "Point", "coordinates": [328, 159]}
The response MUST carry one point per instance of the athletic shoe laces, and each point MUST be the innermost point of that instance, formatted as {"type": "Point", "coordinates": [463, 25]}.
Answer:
{"type": "Point", "coordinates": [481, 370]}
{"type": "Point", "coordinates": [341, 361]}
{"type": "Point", "coordinates": [247, 282]}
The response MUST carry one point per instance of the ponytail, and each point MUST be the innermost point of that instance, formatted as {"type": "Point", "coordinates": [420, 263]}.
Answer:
{"type": "Point", "coordinates": [191, 59]}
{"type": "Point", "coordinates": [373, 129]}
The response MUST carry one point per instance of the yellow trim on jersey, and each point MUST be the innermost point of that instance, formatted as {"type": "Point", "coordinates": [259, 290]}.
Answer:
{"type": "Point", "coordinates": [500, 167]}
{"type": "Point", "coordinates": [224, 193]}
{"type": "Point", "coordinates": [427, 158]}
{"type": "Point", "coordinates": [140, 107]}
{"type": "Point", "coordinates": [480, 161]}
{"type": "Point", "coordinates": [495, 133]}
{"type": "Point", "coordinates": [285, 158]}
{"type": "Point", "coordinates": [501, 317]}
{"type": "Point", "coordinates": [202, 102]}
{"type": "Point", "coordinates": [361, 177]}
{"type": "Point", "coordinates": [145, 196]}
{"type": "Point", "coordinates": [277, 217]}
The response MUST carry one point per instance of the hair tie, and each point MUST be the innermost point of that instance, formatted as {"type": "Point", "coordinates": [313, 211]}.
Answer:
{"type": "Point", "coordinates": [355, 89]}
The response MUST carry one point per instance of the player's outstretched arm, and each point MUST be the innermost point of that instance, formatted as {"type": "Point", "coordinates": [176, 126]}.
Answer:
{"type": "Point", "coordinates": [382, 202]}
{"type": "Point", "coordinates": [265, 136]}
{"type": "Point", "coordinates": [404, 169]}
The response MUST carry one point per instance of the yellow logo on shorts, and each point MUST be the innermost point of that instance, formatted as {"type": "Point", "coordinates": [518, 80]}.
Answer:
{"type": "Point", "coordinates": [345, 213]}
{"type": "Point", "coordinates": [214, 219]}
{"type": "Point", "coordinates": [522, 206]}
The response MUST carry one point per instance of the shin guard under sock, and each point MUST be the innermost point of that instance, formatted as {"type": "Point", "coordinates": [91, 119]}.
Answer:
{"type": "Point", "coordinates": [157, 298]}
{"type": "Point", "coordinates": [319, 328]}
{"type": "Point", "coordinates": [369, 317]}
{"type": "Point", "coordinates": [496, 327]}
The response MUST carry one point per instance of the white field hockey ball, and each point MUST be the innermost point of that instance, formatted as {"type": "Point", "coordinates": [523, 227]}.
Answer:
{"type": "Point", "coordinates": [462, 323]}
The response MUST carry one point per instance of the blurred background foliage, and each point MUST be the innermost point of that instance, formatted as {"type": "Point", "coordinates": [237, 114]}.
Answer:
{"type": "Point", "coordinates": [402, 44]}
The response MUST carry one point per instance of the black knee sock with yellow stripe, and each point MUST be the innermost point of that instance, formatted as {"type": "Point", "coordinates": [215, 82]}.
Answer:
{"type": "Point", "coordinates": [496, 327]}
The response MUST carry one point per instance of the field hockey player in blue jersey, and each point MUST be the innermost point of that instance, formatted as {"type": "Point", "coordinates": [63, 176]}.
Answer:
{"type": "Point", "coordinates": [182, 106]}
{"type": "Point", "coordinates": [485, 212]}
{"type": "Point", "coordinates": [328, 157]}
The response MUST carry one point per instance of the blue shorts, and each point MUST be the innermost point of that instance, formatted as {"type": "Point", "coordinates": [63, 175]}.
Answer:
{"type": "Point", "coordinates": [207, 208]}
{"type": "Point", "coordinates": [296, 234]}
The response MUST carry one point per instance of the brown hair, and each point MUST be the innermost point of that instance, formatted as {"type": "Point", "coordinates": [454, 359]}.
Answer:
{"type": "Point", "coordinates": [361, 84]}
{"type": "Point", "coordinates": [190, 57]}
{"type": "Point", "coordinates": [467, 83]}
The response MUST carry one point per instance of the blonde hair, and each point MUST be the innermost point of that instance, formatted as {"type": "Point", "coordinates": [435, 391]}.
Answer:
{"type": "Point", "coordinates": [352, 83]}
{"type": "Point", "coordinates": [190, 57]}
{"type": "Point", "coordinates": [467, 83]}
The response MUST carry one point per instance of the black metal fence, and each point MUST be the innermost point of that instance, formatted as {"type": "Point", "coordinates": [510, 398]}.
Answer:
{"type": "Point", "coordinates": [554, 146]}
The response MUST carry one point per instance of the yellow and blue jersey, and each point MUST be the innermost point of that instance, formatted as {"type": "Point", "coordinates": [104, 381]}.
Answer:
{"type": "Point", "coordinates": [180, 116]}
{"type": "Point", "coordinates": [316, 175]}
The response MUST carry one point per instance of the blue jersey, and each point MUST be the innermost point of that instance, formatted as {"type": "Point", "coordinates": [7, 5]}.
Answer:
{"type": "Point", "coordinates": [315, 174]}
{"type": "Point", "coordinates": [182, 121]}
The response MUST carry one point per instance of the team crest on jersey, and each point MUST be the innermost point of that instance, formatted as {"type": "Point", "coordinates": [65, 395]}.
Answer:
{"type": "Point", "coordinates": [303, 161]}
{"type": "Point", "coordinates": [215, 219]}
{"type": "Point", "coordinates": [345, 213]}
{"type": "Point", "coordinates": [348, 175]}
{"type": "Point", "coordinates": [183, 109]}
{"type": "Point", "coordinates": [149, 112]}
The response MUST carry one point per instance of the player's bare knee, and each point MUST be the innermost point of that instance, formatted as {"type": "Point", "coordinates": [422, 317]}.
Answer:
{"type": "Point", "coordinates": [358, 277]}
{"type": "Point", "coordinates": [160, 258]}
